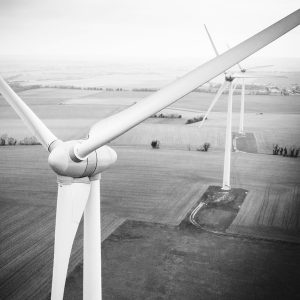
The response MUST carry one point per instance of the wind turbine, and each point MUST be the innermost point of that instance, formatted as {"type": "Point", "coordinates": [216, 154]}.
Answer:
{"type": "Point", "coordinates": [243, 76]}
{"type": "Point", "coordinates": [228, 83]}
{"type": "Point", "coordinates": [79, 163]}
{"type": "Point", "coordinates": [239, 75]}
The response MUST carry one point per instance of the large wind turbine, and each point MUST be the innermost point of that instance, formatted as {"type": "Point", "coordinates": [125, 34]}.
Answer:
{"type": "Point", "coordinates": [79, 163]}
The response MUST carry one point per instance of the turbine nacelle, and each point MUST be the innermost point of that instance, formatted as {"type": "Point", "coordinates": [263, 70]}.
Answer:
{"type": "Point", "coordinates": [62, 162]}
{"type": "Point", "coordinates": [229, 77]}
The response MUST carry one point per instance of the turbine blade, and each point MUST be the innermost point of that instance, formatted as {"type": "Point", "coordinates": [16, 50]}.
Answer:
{"type": "Point", "coordinates": [216, 98]}
{"type": "Point", "coordinates": [239, 65]}
{"type": "Point", "coordinates": [113, 126]}
{"type": "Point", "coordinates": [71, 202]}
{"type": "Point", "coordinates": [34, 124]}
{"type": "Point", "coordinates": [259, 67]}
{"type": "Point", "coordinates": [255, 75]}
{"type": "Point", "coordinates": [211, 41]}
{"type": "Point", "coordinates": [234, 86]}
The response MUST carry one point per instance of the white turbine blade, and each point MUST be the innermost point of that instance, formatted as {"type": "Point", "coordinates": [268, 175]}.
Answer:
{"type": "Point", "coordinates": [34, 124]}
{"type": "Point", "coordinates": [113, 126]}
{"type": "Point", "coordinates": [259, 67]}
{"type": "Point", "coordinates": [219, 93]}
{"type": "Point", "coordinates": [255, 75]}
{"type": "Point", "coordinates": [239, 65]}
{"type": "Point", "coordinates": [211, 41]}
{"type": "Point", "coordinates": [71, 202]}
{"type": "Point", "coordinates": [234, 86]}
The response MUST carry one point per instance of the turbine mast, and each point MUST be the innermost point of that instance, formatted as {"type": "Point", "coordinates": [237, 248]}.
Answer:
{"type": "Point", "coordinates": [92, 280]}
{"type": "Point", "coordinates": [242, 112]}
{"type": "Point", "coordinates": [228, 142]}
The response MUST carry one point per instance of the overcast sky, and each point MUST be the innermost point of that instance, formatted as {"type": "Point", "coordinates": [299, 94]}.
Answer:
{"type": "Point", "coordinates": [139, 29]}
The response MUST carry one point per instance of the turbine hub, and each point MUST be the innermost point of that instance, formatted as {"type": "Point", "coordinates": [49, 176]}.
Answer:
{"type": "Point", "coordinates": [61, 163]}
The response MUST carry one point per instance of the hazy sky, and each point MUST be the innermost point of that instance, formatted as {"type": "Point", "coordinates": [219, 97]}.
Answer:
{"type": "Point", "coordinates": [139, 29]}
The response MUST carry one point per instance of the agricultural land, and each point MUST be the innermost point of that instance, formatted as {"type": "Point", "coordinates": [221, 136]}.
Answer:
{"type": "Point", "coordinates": [145, 196]}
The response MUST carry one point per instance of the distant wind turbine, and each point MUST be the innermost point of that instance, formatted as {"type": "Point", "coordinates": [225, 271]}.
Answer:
{"type": "Point", "coordinates": [79, 163]}
{"type": "Point", "coordinates": [243, 76]}
{"type": "Point", "coordinates": [228, 83]}
{"type": "Point", "coordinates": [231, 77]}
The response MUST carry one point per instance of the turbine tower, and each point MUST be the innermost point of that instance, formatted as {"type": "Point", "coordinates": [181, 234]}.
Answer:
{"type": "Point", "coordinates": [79, 163]}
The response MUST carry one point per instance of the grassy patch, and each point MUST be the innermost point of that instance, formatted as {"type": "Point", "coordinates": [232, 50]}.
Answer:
{"type": "Point", "coordinates": [220, 208]}
{"type": "Point", "coordinates": [245, 143]}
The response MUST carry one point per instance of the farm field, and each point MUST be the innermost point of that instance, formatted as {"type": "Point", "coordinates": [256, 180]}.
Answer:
{"type": "Point", "coordinates": [154, 261]}
{"type": "Point", "coordinates": [46, 96]}
{"type": "Point", "coordinates": [27, 240]}
{"type": "Point", "coordinates": [194, 100]}
{"type": "Point", "coordinates": [172, 133]}
{"type": "Point", "coordinates": [28, 213]}
{"type": "Point", "coordinates": [278, 207]}
{"type": "Point", "coordinates": [70, 113]}
{"type": "Point", "coordinates": [253, 103]}
{"type": "Point", "coordinates": [157, 186]}
{"type": "Point", "coordinates": [175, 136]}
{"type": "Point", "coordinates": [266, 138]}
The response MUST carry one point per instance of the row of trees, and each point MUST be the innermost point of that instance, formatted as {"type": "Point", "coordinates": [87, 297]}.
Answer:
{"type": "Point", "coordinates": [167, 116]}
{"type": "Point", "coordinates": [6, 140]}
{"type": "Point", "coordinates": [195, 119]}
{"type": "Point", "coordinates": [155, 144]}
{"type": "Point", "coordinates": [255, 89]}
